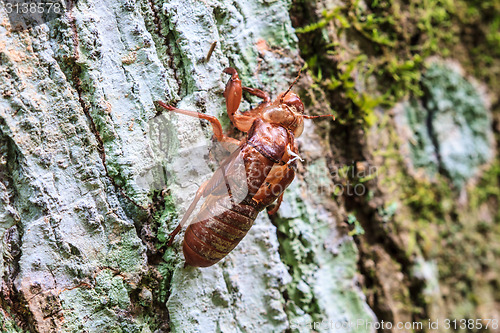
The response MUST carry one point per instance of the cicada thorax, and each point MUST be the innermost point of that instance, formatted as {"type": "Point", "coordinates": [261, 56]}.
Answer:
{"type": "Point", "coordinates": [271, 168]}
{"type": "Point", "coordinates": [233, 203]}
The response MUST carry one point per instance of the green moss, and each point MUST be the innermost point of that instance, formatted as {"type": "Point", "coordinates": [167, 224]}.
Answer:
{"type": "Point", "coordinates": [457, 238]}
{"type": "Point", "coordinates": [100, 308]}
{"type": "Point", "coordinates": [358, 229]}
{"type": "Point", "coordinates": [327, 17]}
{"type": "Point", "coordinates": [487, 188]}
{"type": "Point", "coordinates": [312, 295]}
{"type": "Point", "coordinates": [125, 253]}
{"type": "Point", "coordinates": [395, 37]}
{"type": "Point", "coordinates": [165, 219]}
{"type": "Point", "coordinates": [388, 212]}
{"type": "Point", "coordinates": [466, 238]}
{"type": "Point", "coordinates": [8, 324]}
{"type": "Point", "coordinates": [114, 288]}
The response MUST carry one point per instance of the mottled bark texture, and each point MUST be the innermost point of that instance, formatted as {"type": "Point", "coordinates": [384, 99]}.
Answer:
{"type": "Point", "coordinates": [82, 154]}
{"type": "Point", "coordinates": [93, 177]}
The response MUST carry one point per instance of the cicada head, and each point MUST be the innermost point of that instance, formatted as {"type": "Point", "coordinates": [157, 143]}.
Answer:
{"type": "Point", "coordinates": [287, 110]}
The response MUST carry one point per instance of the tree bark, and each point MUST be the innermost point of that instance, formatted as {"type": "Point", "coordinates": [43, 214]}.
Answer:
{"type": "Point", "coordinates": [76, 120]}
{"type": "Point", "coordinates": [93, 177]}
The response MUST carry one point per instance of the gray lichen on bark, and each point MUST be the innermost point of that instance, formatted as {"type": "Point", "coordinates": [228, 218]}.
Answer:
{"type": "Point", "coordinates": [450, 125]}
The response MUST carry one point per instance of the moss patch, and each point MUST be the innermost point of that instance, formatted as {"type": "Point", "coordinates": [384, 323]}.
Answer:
{"type": "Point", "coordinates": [394, 39]}
{"type": "Point", "coordinates": [322, 273]}
{"type": "Point", "coordinates": [100, 308]}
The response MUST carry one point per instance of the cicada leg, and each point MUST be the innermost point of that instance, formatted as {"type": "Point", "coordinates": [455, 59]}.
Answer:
{"type": "Point", "coordinates": [189, 211]}
{"type": "Point", "coordinates": [216, 126]}
{"type": "Point", "coordinates": [277, 205]}
{"type": "Point", "coordinates": [258, 93]}
{"type": "Point", "coordinates": [233, 93]}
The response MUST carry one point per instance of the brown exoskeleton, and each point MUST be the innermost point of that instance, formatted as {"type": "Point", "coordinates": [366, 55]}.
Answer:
{"type": "Point", "coordinates": [269, 156]}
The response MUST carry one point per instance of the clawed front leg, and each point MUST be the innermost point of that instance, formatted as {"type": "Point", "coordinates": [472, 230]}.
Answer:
{"type": "Point", "coordinates": [233, 93]}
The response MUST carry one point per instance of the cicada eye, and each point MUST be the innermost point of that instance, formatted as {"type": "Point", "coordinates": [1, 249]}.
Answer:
{"type": "Point", "coordinates": [300, 128]}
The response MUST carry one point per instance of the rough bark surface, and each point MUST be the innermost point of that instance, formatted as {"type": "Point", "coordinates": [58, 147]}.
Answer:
{"type": "Point", "coordinates": [78, 154]}
{"type": "Point", "coordinates": [93, 177]}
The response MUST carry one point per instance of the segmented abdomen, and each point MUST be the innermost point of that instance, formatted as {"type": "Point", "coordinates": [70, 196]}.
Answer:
{"type": "Point", "coordinates": [208, 241]}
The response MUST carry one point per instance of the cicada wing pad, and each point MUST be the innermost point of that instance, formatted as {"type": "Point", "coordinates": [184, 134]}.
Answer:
{"type": "Point", "coordinates": [173, 161]}
{"type": "Point", "coordinates": [227, 188]}
{"type": "Point", "coordinates": [177, 164]}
